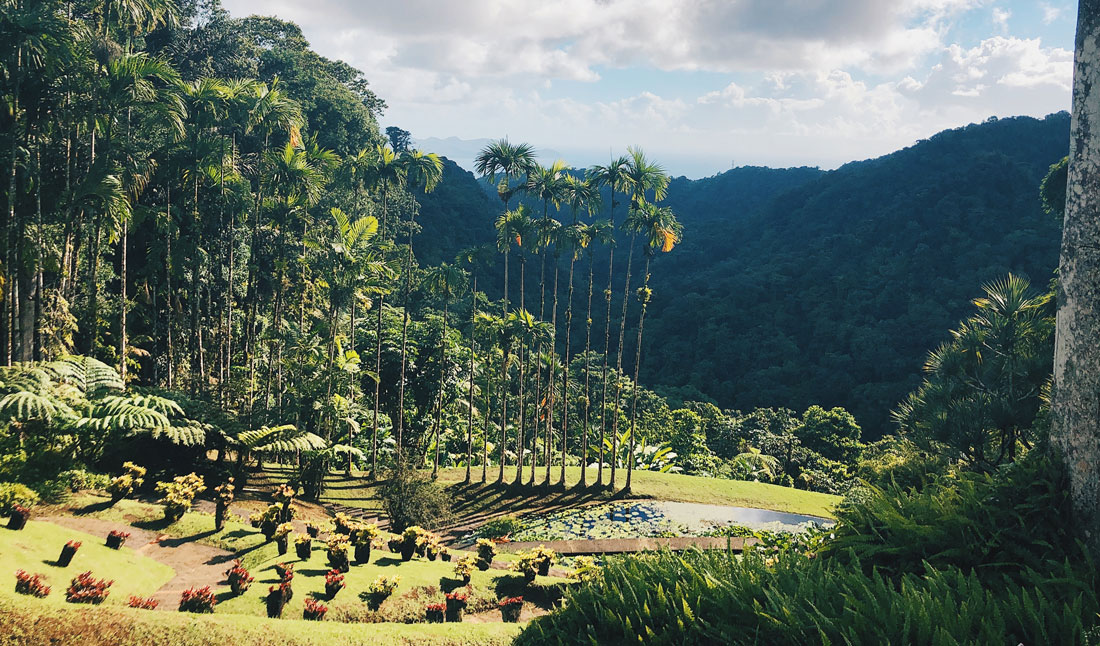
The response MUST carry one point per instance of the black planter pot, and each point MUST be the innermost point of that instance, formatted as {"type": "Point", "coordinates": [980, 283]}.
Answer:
{"type": "Point", "coordinates": [339, 563]}
{"type": "Point", "coordinates": [282, 544]}
{"type": "Point", "coordinates": [332, 590]}
{"type": "Point", "coordinates": [544, 568]}
{"type": "Point", "coordinates": [407, 552]}
{"type": "Point", "coordinates": [454, 616]}
{"type": "Point", "coordinates": [529, 576]}
{"type": "Point", "coordinates": [268, 528]}
{"type": "Point", "coordinates": [434, 616]}
{"type": "Point", "coordinates": [303, 550]}
{"type": "Point", "coordinates": [446, 556]}
{"type": "Point", "coordinates": [17, 521]}
{"type": "Point", "coordinates": [510, 613]}
{"type": "Point", "coordinates": [313, 532]}
{"type": "Point", "coordinates": [67, 554]}
{"type": "Point", "coordinates": [114, 541]}
{"type": "Point", "coordinates": [219, 517]}
{"type": "Point", "coordinates": [482, 565]}
{"type": "Point", "coordinates": [275, 604]}
{"type": "Point", "coordinates": [362, 554]}
{"type": "Point", "coordinates": [238, 586]}
{"type": "Point", "coordinates": [256, 523]}
{"type": "Point", "coordinates": [465, 579]}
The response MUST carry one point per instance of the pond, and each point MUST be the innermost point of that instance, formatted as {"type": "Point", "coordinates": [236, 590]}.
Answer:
{"type": "Point", "coordinates": [641, 519]}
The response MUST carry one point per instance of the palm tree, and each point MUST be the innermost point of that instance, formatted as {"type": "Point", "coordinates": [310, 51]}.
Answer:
{"type": "Point", "coordinates": [546, 232]}
{"type": "Point", "coordinates": [570, 240]}
{"type": "Point", "coordinates": [600, 232]}
{"type": "Point", "coordinates": [661, 231]}
{"type": "Point", "coordinates": [641, 177]}
{"type": "Point", "coordinates": [476, 260]}
{"type": "Point", "coordinates": [511, 227]}
{"type": "Point", "coordinates": [613, 177]}
{"type": "Point", "coordinates": [445, 281]}
{"type": "Point", "coordinates": [579, 194]}
{"type": "Point", "coordinates": [424, 171]}
{"type": "Point", "coordinates": [493, 328]}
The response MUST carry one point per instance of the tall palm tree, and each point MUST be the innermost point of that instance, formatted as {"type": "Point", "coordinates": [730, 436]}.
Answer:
{"type": "Point", "coordinates": [641, 177]}
{"type": "Point", "coordinates": [492, 328]}
{"type": "Point", "coordinates": [613, 177]}
{"type": "Point", "coordinates": [596, 232]}
{"type": "Point", "coordinates": [476, 260]}
{"type": "Point", "coordinates": [444, 280]}
{"type": "Point", "coordinates": [580, 195]}
{"type": "Point", "coordinates": [424, 172]}
{"type": "Point", "coordinates": [660, 231]}
{"type": "Point", "coordinates": [510, 226]}
{"type": "Point", "coordinates": [546, 231]}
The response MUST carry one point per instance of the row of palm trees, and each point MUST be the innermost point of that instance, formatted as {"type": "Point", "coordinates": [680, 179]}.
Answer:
{"type": "Point", "coordinates": [515, 171]}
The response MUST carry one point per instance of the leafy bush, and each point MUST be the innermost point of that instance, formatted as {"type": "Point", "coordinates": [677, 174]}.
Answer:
{"type": "Point", "coordinates": [179, 494]}
{"type": "Point", "coordinates": [314, 610]}
{"type": "Point", "coordinates": [85, 589]}
{"type": "Point", "coordinates": [142, 603]}
{"type": "Point", "coordinates": [486, 550]}
{"type": "Point", "coordinates": [122, 486]}
{"type": "Point", "coordinates": [13, 493]}
{"type": "Point", "coordinates": [198, 600]}
{"type": "Point", "coordinates": [81, 480]}
{"type": "Point", "coordinates": [32, 584]}
{"type": "Point", "coordinates": [239, 578]}
{"type": "Point", "coordinates": [412, 499]}
{"type": "Point", "coordinates": [584, 569]}
{"type": "Point", "coordinates": [500, 527]}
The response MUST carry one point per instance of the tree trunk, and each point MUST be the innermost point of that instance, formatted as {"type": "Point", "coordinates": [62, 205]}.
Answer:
{"type": "Point", "coordinates": [637, 366]}
{"type": "Point", "coordinates": [439, 395]}
{"type": "Point", "coordinates": [522, 378]}
{"type": "Point", "coordinates": [587, 382]}
{"type": "Point", "coordinates": [470, 398]}
{"type": "Point", "coordinates": [606, 351]}
{"type": "Point", "coordinates": [548, 443]}
{"type": "Point", "coordinates": [1075, 408]}
{"type": "Point", "coordinates": [504, 375]}
{"type": "Point", "coordinates": [404, 339]}
{"type": "Point", "coordinates": [565, 367]}
{"type": "Point", "coordinates": [378, 347]}
{"type": "Point", "coordinates": [619, 357]}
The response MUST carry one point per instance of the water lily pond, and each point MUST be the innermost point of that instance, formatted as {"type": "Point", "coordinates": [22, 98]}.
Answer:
{"type": "Point", "coordinates": [655, 519]}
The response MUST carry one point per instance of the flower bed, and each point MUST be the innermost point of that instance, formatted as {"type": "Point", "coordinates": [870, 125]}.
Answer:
{"type": "Point", "coordinates": [510, 609]}
{"type": "Point", "coordinates": [198, 600]}
{"type": "Point", "coordinates": [142, 603]}
{"type": "Point", "coordinates": [31, 584]}
{"type": "Point", "coordinates": [315, 610]}
{"type": "Point", "coordinates": [86, 589]}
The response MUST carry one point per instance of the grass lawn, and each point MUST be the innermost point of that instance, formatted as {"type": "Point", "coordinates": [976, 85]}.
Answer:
{"type": "Point", "coordinates": [476, 502]}
{"type": "Point", "coordinates": [36, 547]}
{"type": "Point", "coordinates": [25, 621]}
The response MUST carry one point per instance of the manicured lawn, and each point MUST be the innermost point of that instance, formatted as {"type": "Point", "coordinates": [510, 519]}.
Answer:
{"type": "Point", "coordinates": [36, 547]}
{"type": "Point", "coordinates": [36, 622]}
{"type": "Point", "coordinates": [476, 500]}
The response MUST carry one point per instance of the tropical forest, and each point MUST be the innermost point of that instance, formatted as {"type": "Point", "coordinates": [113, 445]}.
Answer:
{"type": "Point", "coordinates": [465, 310]}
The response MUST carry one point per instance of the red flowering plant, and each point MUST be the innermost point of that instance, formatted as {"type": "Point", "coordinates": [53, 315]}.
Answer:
{"type": "Point", "coordinates": [510, 609]}
{"type": "Point", "coordinates": [86, 589]}
{"type": "Point", "coordinates": [239, 578]}
{"type": "Point", "coordinates": [18, 518]}
{"type": "Point", "coordinates": [199, 600]}
{"type": "Point", "coordinates": [115, 539]}
{"type": "Point", "coordinates": [456, 603]}
{"type": "Point", "coordinates": [433, 612]}
{"type": "Point", "coordinates": [315, 610]}
{"type": "Point", "coordinates": [32, 584]}
{"type": "Point", "coordinates": [334, 582]}
{"type": "Point", "coordinates": [143, 603]}
{"type": "Point", "coordinates": [67, 553]}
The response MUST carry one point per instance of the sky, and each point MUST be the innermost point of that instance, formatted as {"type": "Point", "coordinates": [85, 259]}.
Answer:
{"type": "Point", "coordinates": [700, 85]}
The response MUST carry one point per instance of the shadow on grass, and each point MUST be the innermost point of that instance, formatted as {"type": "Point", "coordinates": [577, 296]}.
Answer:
{"type": "Point", "coordinates": [447, 584]}
{"type": "Point", "coordinates": [544, 596]}
{"type": "Point", "coordinates": [93, 508]}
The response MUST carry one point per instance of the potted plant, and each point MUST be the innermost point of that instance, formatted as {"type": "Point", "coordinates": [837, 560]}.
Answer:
{"type": "Point", "coordinates": [284, 495]}
{"type": "Point", "coordinates": [239, 578]}
{"type": "Point", "coordinates": [363, 537]}
{"type": "Point", "coordinates": [338, 553]}
{"type": "Point", "coordinates": [85, 589]}
{"type": "Point", "coordinates": [486, 550]}
{"type": "Point", "coordinates": [315, 610]}
{"type": "Point", "coordinates": [334, 582]}
{"type": "Point", "coordinates": [303, 546]}
{"type": "Point", "coordinates": [32, 584]}
{"type": "Point", "coordinates": [67, 553]}
{"type": "Point", "coordinates": [544, 558]}
{"type": "Point", "coordinates": [132, 477]}
{"type": "Point", "coordinates": [444, 553]}
{"type": "Point", "coordinates": [394, 543]}
{"type": "Point", "coordinates": [283, 570]}
{"type": "Point", "coordinates": [510, 609]}
{"type": "Point", "coordinates": [380, 589]}
{"type": "Point", "coordinates": [282, 537]}
{"type": "Point", "coordinates": [313, 529]}
{"type": "Point", "coordinates": [410, 540]}
{"type": "Point", "coordinates": [342, 523]}
{"type": "Point", "coordinates": [269, 523]}
{"type": "Point", "coordinates": [224, 496]}
{"type": "Point", "coordinates": [179, 494]}
{"type": "Point", "coordinates": [433, 612]}
{"type": "Point", "coordinates": [198, 600]}
{"type": "Point", "coordinates": [584, 569]}
{"type": "Point", "coordinates": [432, 550]}
{"type": "Point", "coordinates": [116, 539]}
{"type": "Point", "coordinates": [527, 565]}
{"type": "Point", "coordinates": [276, 599]}
{"type": "Point", "coordinates": [142, 603]}
{"type": "Point", "coordinates": [464, 569]}
{"type": "Point", "coordinates": [456, 604]}
{"type": "Point", "coordinates": [256, 519]}
{"type": "Point", "coordinates": [19, 516]}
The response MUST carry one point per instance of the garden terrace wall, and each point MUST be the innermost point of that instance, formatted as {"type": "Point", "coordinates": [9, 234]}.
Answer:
{"type": "Point", "coordinates": [628, 545]}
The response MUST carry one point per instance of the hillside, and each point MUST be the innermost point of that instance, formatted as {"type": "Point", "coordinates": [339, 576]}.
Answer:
{"type": "Point", "coordinates": [799, 286]}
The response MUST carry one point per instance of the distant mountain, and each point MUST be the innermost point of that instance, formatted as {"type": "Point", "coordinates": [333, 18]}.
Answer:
{"type": "Point", "coordinates": [799, 286]}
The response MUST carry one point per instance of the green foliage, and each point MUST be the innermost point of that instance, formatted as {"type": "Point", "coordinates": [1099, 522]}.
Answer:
{"type": "Point", "coordinates": [832, 433]}
{"type": "Point", "coordinates": [411, 499]}
{"type": "Point", "coordinates": [501, 527]}
{"type": "Point", "coordinates": [13, 493]}
{"type": "Point", "coordinates": [897, 460]}
{"type": "Point", "coordinates": [1052, 190]}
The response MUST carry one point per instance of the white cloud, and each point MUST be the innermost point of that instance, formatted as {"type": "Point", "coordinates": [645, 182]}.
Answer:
{"type": "Point", "coordinates": [1000, 19]}
{"type": "Point", "coordinates": [1050, 13]}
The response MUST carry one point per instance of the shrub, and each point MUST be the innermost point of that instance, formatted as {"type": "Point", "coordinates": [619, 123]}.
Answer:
{"type": "Point", "coordinates": [500, 527]}
{"type": "Point", "coordinates": [222, 499]}
{"type": "Point", "coordinates": [410, 499]}
{"type": "Point", "coordinates": [179, 494]}
{"type": "Point", "coordinates": [380, 589]}
{"type": "Point", "coordinates": [315, 610]}
{"type": "Point", "coordinates": [122, 486]}
{"type": "Point", "coordinates": [198, 600]}
{"type": "Point", "coordinates": [81, 480]}
{"type": "Point", "coordinates": [143, 603]}
{"type": "Point", "coordinates": [464, 568]}
{"type": "Point", "coordinates": [239, 578]}
{"type": "Point", "coordinates": [334, 582]}
{"type": "Point", "coordinates": [85, 589]}
{"type": "Point", "coordinates": [510, 609]}
{"type": "Point", "coordinates": [32, 584]}
{"type": "Point", "coordinates": [486, 550]}
{"type": "Point", "coordinates": [13, 494]}
{"type": "Point", "coordinates": [584, 569]}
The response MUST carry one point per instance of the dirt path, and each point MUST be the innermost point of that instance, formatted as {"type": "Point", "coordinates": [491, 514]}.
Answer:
{"type": "Point", "coordinates": [195, 565]}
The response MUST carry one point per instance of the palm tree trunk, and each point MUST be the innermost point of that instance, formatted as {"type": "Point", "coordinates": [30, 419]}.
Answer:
{"type": "Point", "coordinates": [547, 444]}
{"type": "Point", "coordinates": [504, 374]}
{"type": "Point", "coordinates": [404, 339]}
{"type": "Point", "coordinates": [522, 378]}
{"type": "Point", "coordinates": [1075, 426]}
{"type": "Point", "coordinates": [439, 395]}
{"type": "Point", "coordinates": [565, 369]}
{"type": "Point", "coordinates": [587, 383]}
{"type": "Point", "coordinates": [537, 406]}
{"type": "Point", "coordinates": [378, 350]}
{"type": "Point", "coordinates": [637, 367]}
{"type": "Point", "coordinates": [488, 417]}
{"type": "Point", "coordinates": [470, 397]}
{"type": "Point", "coordinates": [619, 352]}
{"type": "Point", "coordinates": [606, 351]}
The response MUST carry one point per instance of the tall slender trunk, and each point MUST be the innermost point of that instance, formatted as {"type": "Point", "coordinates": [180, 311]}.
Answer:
{"type": "Point", "coordinates": [537, 406]}
{"type": "Point", "coordinates": [637, 366]}
{"type": "Point", "coordinates": [378, 347]}
{"type": "Point", "coordinates": [565, 367]}
{"type": "Point", "coordinates": [439, 395]}
{"type": "Point", "coordinates": [488, 418]}
{"type": "Point", "coordinates": [522, 377]}
{"type": "Point", "coordinates": [504, 374]}
{"type": "Point", "coordinates": [1075, 425]}
{"type": "Point", "coordinates": [39, 246]}
{"type": "Point", "coordinates": [9, 300]}
{"type": "Point", "coordinates": [587, 381]}
{"type": "Point", "coordinates": [548, 443]}
{"type": "Point", "coordinates": [619, 354]}
{"type": "Point", "coordinates": [607, 350]}
{"type": "Point", "coordinates": [169, 295]}
{"type": "Point", "coordinates": [470, 397]}
{"type": "Point", "coordinates": [404, 338]}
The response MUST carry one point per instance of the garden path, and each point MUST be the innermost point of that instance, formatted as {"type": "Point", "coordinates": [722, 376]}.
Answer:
{"type": "Point", "coordinates": [195, 565]}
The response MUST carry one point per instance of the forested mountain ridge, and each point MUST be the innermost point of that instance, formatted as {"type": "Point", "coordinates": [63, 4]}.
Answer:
{"type": "Point", "coordinates": [799, 286]}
